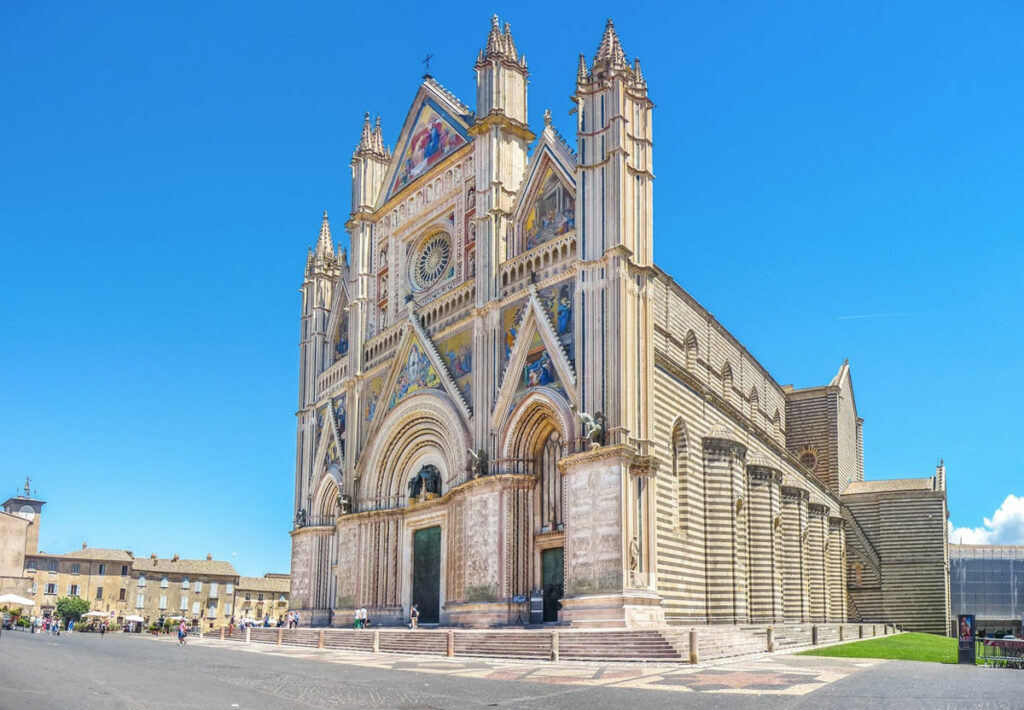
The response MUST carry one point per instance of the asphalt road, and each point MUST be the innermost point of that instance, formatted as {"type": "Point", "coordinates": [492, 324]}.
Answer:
{"type": "Point", "coordinates": [86, 672]}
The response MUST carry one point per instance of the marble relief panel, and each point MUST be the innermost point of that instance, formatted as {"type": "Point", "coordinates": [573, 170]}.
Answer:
{"type": "Point", "coordinates": [594, 530]}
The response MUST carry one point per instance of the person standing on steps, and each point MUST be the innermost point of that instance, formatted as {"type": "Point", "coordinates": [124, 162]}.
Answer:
{"type": "Point", "coordinates": [414, 616]}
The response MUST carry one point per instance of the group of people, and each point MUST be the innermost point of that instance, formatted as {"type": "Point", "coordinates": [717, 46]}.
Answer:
{"type": "Point", "coordinates": [362, 621]}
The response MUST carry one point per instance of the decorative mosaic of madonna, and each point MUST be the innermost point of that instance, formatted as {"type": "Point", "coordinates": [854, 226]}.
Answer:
{"type": "Point", "coordinates": [418, 374]}
{"type": "Point", "coordinates": [552, 214]}
{"type": "Point", "coordinates": [457, 352]}
{"type": "Point", "coordinates": [432, 139]}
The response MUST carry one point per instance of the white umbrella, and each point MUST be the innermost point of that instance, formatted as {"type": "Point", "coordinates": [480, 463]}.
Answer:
{"type": "Point", "coordinates": [15, 599]}
{"type": "Point", "coordinates": [134, 617]}
{"type": "Point", "coordinates": [94, 613]}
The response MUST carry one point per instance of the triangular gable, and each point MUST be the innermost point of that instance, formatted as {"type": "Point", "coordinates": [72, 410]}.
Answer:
{"type": "Point", "coordinates": [337, 323]}
{"type": "Point", "coordinates": [551, 159]}
{"type": "Point", "coordinates": [537, 360]}
{"type": "Point", "coordinates": [434, 128]}
{"type": "Point", "coordinates": [417, 367]}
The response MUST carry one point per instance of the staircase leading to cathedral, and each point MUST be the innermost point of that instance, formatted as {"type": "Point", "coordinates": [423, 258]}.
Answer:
{"type": "Point", "coordinates": [670, 644]}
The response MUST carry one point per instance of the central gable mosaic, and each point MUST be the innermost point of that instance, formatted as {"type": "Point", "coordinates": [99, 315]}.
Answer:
{"type": "Point", "coordinates": [434, 136]}
{"type": "Point", "coordinates": [418, 374]}
{"type": "Point", "coordinates": [552, 214]}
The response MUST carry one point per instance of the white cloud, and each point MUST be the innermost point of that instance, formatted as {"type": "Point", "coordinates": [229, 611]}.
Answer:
{"type": "Point", "coordinates": [1005, 527]}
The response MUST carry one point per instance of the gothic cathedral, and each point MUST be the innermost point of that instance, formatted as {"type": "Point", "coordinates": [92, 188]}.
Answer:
{"type": "Point", "coordinates": [502, 397]}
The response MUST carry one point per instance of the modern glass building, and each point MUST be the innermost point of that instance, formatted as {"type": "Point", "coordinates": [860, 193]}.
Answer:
{"type": "Point", "coordinates": [988, 581]}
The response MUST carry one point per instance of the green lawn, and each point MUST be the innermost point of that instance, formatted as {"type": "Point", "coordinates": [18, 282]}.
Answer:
{"type": "Point", "coordinates": [904, 647]}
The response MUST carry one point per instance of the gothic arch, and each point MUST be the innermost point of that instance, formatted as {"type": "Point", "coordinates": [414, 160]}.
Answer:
{"type": "Point", "coordinates": [691, 349]}
{"type": "Point", "coordinates": [524, 428]}
{"type": "Point", "coordinates": [325, 499]}
{"type": "Point", "coordinates": [727, 382]}
{"type": "Point", "coordinates": [753, 403]}
{"type": "Point", "coordinates": [426, 425]}
{"type": "Point", "coordinates": [681, 481]}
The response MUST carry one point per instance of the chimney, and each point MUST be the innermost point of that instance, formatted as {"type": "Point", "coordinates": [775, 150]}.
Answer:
{"type": "Point", "coordinates": [175, 559]}
{"type": "Point", "coordinates": [209, 557]}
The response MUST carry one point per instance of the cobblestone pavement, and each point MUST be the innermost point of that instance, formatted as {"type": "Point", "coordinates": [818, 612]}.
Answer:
{"type": "Point", "coordinates": [86, 672]}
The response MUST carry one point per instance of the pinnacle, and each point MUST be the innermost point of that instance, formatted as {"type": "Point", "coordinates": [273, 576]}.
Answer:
{"type": "Point", "coordinates": [582, 72]}
{"type": "Point", "coordinates": [500, 43]}
{"type": "Point", "coordinates": [325, 245]}
{"type": "Point", "coordinates": [366, 139]}
{"type": "Point", "coordinates": [610, 49]}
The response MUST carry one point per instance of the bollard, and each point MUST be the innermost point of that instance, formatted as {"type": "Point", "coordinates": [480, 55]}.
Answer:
{"type": "Point", "coordinates": [200, 629]}
{"type": "Point", "coordinates": [874, 631]}
{"type": "Point", "coordinates": [248, 630]}
{"type": "Point", "coordinates": [814, 635]}
{"type": "Point", "coordinates": [280, 633]}
{"type": "Point", "coordinates": [320, 641]}
{"type": "Point", "coordinates": [221, 633]}
{"type": "Point", "coordinates": [771, 639]}
{"type": "Point", "coordinates": [693, 646]}
{"type": "Point", "coordinates": [554, 645]}
{"type": "Point", "coordinates": [885, 629]}
{"type": "Point", "coordinates": [376, 641]}
{"type": "Point", "coordinates": [450, 650]}
{"type": "Point", "coordinates": [840, 633]}
{"type": "Point", "coordinates": [860, 631]}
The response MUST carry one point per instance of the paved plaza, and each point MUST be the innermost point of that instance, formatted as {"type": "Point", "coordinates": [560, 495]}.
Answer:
{"type": "Point", "coordinates": [142, 672]}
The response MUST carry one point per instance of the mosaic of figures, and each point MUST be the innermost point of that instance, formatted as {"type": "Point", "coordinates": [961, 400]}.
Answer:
{"type": "Point", "coordinates": [457, 352]}
{"type": "Point", "coordinates": [538, 371]}
{"type": "Point", "coordinates": [339, 404]}
{"type": "Point", "coordinates": [372, 396]}
{"type": "Point", "coordinates": [557, 302]}
{"type": "Point", "coordinates": [341, 336]}
{"type": "Point", "coordinates": [552, 213]}
{"type": "Point", "coordinates": [418, 374]}
{"type": "Point", "coordinates": [432, 139]}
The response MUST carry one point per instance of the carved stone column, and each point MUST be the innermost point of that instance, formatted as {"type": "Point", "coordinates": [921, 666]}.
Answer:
{"type": "Point", "coordinates": [726, 524]}
{"type": "Point", "coordinates": [836, 563]}
{"type": "Point", "coordinates": [600, 565]}
{"type": "Point", "coordinates": [817, 534]}
{"type": "Point", "coordinates": [795, 605]}
{"type": "Point", "coordinates": [764, 481]}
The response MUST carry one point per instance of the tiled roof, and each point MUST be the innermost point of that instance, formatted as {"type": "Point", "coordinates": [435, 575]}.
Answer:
{"type": "Point", "coordinates": [892, 484]}
{"type": "Point", "coordinates": [99, 553]}
{"type": "Point", "coordinates": [264, 584]}
{"type": "Point", "coordinates": [147, 565]}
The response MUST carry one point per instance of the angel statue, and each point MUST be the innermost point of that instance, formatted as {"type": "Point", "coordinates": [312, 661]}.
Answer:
{"type": "Point", "coordinates": [593, 426]}
{"type": "Point", "coordinates": [479, 467]}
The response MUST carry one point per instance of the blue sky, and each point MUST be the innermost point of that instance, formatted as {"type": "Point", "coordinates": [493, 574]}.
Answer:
{"type": "Point", "coordinates": [835, 180]}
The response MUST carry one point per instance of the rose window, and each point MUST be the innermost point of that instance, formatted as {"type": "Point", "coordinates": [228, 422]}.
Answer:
{"type": "Point", "coordinates": [431, 260]}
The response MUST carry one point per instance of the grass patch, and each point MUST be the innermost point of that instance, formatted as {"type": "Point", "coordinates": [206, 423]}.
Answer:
{"type": "Point", "coordinates": [902, 647]}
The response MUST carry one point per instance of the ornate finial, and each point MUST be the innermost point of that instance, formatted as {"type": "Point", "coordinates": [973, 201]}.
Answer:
{"type": "Point", "coordinates": [500, 44]}
{"type": "Point", "coordinates": [324, 245]}
{"type": "Point", "coordinates": [28, 488]}
{"type": "Point", "coordinates": [582, 72]}
{"type": "Point", "coordinates": [366, 139]}
{"type": "Point", "coordinates": [510, 44]}
{"type": "Point", "coordinates": [378, 138]}
{"type": "Point", "coordinates": [638, 75]}
{"type": "Point", "coordinates": [547, 117]}
{"type": "Point", "coordinates": [610, 49]}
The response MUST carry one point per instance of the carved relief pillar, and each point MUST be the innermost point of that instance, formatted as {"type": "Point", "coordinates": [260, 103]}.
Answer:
{"type": "Point", "coordinates": [836, 561]}
{"type": "Point", "coordinates": [817, 534]}
{"type": "Point", "coordinates": [726, 525]}
{"type": "Point", "coordinates": [764, 481]}
{"type": "Point", "coordinates": [598, 556]}
{"type": "Point", "coordinates": [795, 606]}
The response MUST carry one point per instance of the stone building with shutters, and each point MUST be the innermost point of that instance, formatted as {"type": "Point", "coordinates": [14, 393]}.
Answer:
{"type": "Point", "coordinates": [500, 392]}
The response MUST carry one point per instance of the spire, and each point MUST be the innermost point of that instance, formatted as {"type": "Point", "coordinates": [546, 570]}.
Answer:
{"type": "Point", "coordinates": [378, 139]}
{"type": "Point", "coordinates": [638, 75]}
{"type": "Point", "coordinates": [610, 49]}
{"type": "Point", "coordinates": [366, 139]}
{"type": "Point", "coordinates": [582, 72]}
{"type": "Point", "coordinates": [324, 245]}
{"type": "Point", "coordinates": [500, 45]}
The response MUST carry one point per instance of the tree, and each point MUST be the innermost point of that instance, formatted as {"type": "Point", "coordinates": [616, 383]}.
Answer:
{"type": "Point", "coordinates": [71, 608]}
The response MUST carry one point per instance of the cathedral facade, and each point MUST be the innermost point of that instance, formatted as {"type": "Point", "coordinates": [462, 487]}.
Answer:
{"type": "Point", "coordinates": [501, 396]}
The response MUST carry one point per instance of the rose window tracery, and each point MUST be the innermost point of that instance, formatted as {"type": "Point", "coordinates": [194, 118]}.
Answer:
{"type": "Point", "coordinates": [431, 261]}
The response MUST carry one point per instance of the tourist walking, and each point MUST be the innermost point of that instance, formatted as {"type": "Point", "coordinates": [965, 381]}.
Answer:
{"type": "Point", "coordinates": [182, 629]}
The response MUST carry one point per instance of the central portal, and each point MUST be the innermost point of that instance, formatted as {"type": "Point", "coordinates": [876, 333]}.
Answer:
{"type": "Point", "coordinates": [553, 569]}
{"type": "Point", "coordinates": [426, 573]}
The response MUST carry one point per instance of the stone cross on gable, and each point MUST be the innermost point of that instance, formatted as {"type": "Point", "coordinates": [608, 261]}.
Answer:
{"type": "Point", "coordinates": [27, 489]}
{"type": "Point", "coordinates": [426, 62]}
